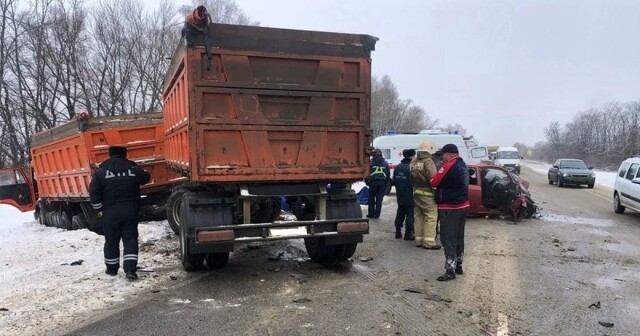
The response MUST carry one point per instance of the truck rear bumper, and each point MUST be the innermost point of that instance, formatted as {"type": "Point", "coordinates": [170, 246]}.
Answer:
{"type": "Point", "coordinates": [244, 233]}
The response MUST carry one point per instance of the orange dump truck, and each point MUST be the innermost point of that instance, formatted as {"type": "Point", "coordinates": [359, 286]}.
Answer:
{"type": "Point", "coordinates": [262, 118]}
{"type": "Point", "coordinates": [64, 158]}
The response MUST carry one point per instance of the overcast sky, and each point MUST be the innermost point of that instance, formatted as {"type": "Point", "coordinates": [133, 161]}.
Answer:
{"type": "Point", "coordinates": [502, 69]}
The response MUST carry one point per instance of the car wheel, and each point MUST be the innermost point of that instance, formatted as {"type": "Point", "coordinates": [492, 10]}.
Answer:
{"type": "Point", "coordinates": [617, 207]}
{"type": "Point", "coordinates": [549, 179]}
{"type": "Point", "coordinates": [590, 185]}
{"type": "Point", "coordinates": [559, 181]}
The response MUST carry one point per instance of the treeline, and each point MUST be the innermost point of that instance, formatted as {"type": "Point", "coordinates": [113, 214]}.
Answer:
{"type": "Point", "coordinates": [602, 136]}
{"type": "Point", "coordinates": [106, 57]}
{"type": "Point", "coordinates": [109, 57]}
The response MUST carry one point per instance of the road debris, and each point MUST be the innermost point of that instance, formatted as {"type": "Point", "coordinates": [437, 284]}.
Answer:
{"type": "Point", "coordinates": [365, 259]}
{"type": "Point", "coordinates": [606, 324]}
{"type": "Point", "coordinates": [77, 262]}
{"type": "Point", "coordinates": [301, 300]}
{"type": "Point", "coordinates": [597, 305]}
{"type": "Point", "coordinates": [414, 290]}
{"type": "Point", "coordinates": [437, 298]}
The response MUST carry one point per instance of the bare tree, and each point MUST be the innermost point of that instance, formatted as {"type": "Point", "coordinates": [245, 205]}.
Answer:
{"type": "Point", "coordinates": [389, 112]}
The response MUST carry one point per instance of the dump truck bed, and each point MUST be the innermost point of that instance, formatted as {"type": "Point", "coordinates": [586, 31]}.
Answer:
{"type": "Point", "coordinates": [273, 105]}
{"type": "Point", "coordinates": [65, 157]}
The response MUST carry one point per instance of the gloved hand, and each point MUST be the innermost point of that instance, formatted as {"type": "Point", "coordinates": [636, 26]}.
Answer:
{"type": "Point", "coordinates": [99, 214]}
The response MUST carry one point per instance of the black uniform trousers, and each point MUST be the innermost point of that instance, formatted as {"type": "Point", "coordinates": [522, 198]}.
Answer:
{"type": "Point", "coordinates": [405, 215]}
{"type": "Point", "coordinates": [452, 224]}
{"type": "Point", "coordinates": [376, 194]}
{"type": "Point", "coordinates": [121, 222]}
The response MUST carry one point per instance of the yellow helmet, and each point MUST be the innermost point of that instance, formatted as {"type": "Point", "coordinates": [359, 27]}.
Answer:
{"type": "Point", "coordinates": [427, 146]}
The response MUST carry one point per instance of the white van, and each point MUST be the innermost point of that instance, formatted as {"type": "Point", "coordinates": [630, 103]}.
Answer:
{"type": "Point", "coordinates": [626, 189]}
{"type": "Point", "coordinates": [509, 158]}
{"type": "Point", "coordinates": [392, 145]}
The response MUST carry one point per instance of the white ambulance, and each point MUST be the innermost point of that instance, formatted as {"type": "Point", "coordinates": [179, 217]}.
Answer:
{"type": "Point", "coordinates": [392, 145]}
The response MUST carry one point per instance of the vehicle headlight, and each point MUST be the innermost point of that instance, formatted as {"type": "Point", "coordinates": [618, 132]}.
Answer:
{"type": "Point", "coordinates": [592, 175]}
{"type": "Point", "coordinates": [517, 165]}
{"type": "Point", "coordinates": [565, 174]}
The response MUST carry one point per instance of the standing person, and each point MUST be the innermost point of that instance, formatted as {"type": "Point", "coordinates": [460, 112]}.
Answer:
{"type": "Point", "coordinates": [115, 191]}
{"type": "Point", "coordinates": [379, 176]}
{"type": "Point", "coordinates": [425, 210]}
{"type": "Point", "coordinates": [452, 195]}
{"type": "Point", "coordinates": [404, 195]}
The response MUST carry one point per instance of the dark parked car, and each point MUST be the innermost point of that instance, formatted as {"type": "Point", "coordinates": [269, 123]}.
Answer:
{"type": "Point", "coordinates": [571, 171]}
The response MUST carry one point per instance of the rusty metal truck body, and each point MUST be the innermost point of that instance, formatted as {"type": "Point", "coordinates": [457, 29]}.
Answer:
{"type": "Point", "coordinates": [64, 158]}
{"type": "Point", "coordinates": [267, 114]}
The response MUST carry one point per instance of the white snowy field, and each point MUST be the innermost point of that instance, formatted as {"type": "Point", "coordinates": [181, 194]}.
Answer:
{"type": "Point", "coordinates": [40, 291]}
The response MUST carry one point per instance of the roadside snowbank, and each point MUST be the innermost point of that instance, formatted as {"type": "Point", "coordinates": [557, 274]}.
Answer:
{"type": "Point", "coordinates": [40, 290]}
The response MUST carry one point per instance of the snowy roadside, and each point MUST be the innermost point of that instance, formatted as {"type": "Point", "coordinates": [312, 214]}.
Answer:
{"type": "Point", "coordinates": [40, 290]}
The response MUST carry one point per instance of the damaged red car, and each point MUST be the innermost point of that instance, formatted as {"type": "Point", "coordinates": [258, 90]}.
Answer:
{"type": "Point", "coordinates": [493, 191]}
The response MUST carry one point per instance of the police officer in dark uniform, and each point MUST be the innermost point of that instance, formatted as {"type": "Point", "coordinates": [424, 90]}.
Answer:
{"type": "Point", "coordinates": [379, 176]}
{"type": "Point", "coordinates": [115, 191]}
{"type": "Point", "coordinates": [404, 195]}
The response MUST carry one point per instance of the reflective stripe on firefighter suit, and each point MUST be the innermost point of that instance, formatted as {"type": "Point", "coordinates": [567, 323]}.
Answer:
{"type": "Point", "coordinates": [425, 212]}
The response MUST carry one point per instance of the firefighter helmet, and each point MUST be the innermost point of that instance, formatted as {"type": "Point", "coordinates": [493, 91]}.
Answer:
{"type": "Point", "coordinates": [427, 146]}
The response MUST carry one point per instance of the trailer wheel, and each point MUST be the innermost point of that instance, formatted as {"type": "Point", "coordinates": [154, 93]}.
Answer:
{"type": "Point", "coordinates": [217, 260]}
{"type": "Point", "coordinates": [78, 222]}
{"type": "Point", "coordinates": [174, 209]}
{"type": "Point", "coordinates": [320, 252]}
{"type": "Point", "coordinates": [190, 262]}
{"type": "Point", "coordinates": [339, 208]}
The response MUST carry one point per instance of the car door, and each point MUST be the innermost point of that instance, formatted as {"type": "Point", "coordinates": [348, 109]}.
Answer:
{"type": "Point", "coordinates": [15, 189]}
{"type": "Point", "coordinates": [475, 191]}
{"type": "Point", "coordinates": [627, 196]}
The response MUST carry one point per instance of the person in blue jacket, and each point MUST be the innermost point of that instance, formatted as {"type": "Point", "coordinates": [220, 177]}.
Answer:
{"type": "Point", "coordinates": [404, 195]}
{"type": "Point", "coordinates": [379, 176]}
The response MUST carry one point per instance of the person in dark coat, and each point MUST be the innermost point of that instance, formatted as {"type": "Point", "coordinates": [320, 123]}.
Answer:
{"type": "Point", "coordinates": [452, 196]}
{"type": "Point", "coordinates": [115, 193]}
{"type": "Point", "coordinates": [404, 195]}
{"type": "Point", "coordinates": [379, 176]}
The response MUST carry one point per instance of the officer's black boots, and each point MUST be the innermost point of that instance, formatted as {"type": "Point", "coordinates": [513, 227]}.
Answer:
{"type": "Point", "coordinates": [111, 272]}
{"type": "Point", "coordinates": [132, 276]}
{"type": "Point", "coordinates": [398, 232]}
{"type": "Point", "coordinates": [408, 235]}
{"type": "Point", "coordinates": [459, 270]}
{"type": "Point", "coordinates": [447, 276]}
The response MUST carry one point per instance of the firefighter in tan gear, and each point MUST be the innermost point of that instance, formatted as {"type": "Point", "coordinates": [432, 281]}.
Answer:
{"type": "Point", "coordinates": [425, 212]}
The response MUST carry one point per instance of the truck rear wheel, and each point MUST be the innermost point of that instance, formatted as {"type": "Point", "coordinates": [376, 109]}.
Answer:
{"type": "Point", "coordinates": [320, 252]}
{"type": "Point", "coordinates": [78, 222]}
{"type": "Point", "coordinates": [174, 209]}
{"type": "Point", "coordinates": [217, 260]}
{"type": "Point", "coordinates": [343, 205]}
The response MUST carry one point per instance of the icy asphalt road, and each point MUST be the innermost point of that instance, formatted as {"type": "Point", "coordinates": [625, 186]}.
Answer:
{"type": "Point", "coordinates": [562, 274]}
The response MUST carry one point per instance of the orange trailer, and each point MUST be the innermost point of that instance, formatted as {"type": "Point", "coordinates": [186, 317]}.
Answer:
{"type": "Point", "coordinates": [267, 117]}
{"type": "Point", "coordinates": [65, 157]}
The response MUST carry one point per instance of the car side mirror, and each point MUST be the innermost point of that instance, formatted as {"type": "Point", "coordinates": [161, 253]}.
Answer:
{"type": "Point", "coordinates": [636, 180]}
{"type": "Point", "coordinates": [554, 166]}
{"type": "Point", "coordinates": [521, 157]}
{"type": "Point", "coordinates": [590, 167]}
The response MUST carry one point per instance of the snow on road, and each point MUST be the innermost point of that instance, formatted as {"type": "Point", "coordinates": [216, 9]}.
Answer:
{"type": "Point", "coordinates": [39, 288]}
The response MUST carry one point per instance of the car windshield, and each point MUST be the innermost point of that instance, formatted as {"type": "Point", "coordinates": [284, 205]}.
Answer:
{"type": "Point", "coordinates": [507, 155]}
{"type": "Point", "coordinates": [573, 164]}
